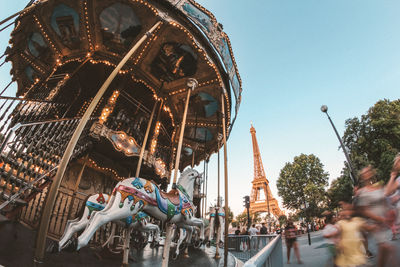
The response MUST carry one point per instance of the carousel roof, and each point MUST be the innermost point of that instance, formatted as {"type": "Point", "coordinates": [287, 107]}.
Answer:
{"type": "Point", "coordinates": [56, 36]}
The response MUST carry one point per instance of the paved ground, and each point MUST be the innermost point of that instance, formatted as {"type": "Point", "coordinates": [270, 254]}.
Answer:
{"type": "Point", "coordinates": [316, 255]}
{"type": "Point", "coordinates": [17, 250]}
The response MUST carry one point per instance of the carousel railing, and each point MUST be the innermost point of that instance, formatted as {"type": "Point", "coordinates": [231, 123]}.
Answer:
{"type": "Point", "coordinates": [14, 110]}
{"type": "Point", "coordinates": [247, 247]}
{"type": "Point", "coordinates": [269, 255]}
{"type": "Point", "coordinates": [30, 154]}
{"type": "Point", "coordinates": [67, 206]}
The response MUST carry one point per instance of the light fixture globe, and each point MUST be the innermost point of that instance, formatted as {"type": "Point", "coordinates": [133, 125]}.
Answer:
{"type": "Point", "coordinates": [324, 108]}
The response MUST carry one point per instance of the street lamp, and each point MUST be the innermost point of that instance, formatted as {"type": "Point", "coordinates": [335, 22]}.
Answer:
{"type": "Point", "coordinates": [308, 229]}
{"type": "Point", "coordinates": [247, 206]}
{"type": "Point", "coordinates": [324, 109]}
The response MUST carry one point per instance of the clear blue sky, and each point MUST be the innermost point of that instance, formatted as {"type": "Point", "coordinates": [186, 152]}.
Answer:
{"type": "Point", "coordinates": [293, 56]}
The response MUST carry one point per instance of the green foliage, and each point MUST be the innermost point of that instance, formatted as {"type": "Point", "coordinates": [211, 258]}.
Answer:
{"type": "Point", "coordinates": [341, 189]}
{"type": "Point", "coordinates": [242, 218]}
{"type": "Point", "coordinates": [282, 220]}
{"type": "Point", "coordinates": [303, 181]}
{"type": "Point", "coordinates": [230, 215]}
{"type": "Point", "coordinates": [255, 218]}
{"type": "Point", "coordinates": [375, 138]}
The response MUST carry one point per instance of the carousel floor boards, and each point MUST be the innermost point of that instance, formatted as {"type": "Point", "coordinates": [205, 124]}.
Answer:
{"type": "Point", "coordinates": [17, 249]}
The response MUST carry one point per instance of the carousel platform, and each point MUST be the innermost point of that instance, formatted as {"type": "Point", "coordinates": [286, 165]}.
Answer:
{"type": "Point", "coordinates": [17, 250]}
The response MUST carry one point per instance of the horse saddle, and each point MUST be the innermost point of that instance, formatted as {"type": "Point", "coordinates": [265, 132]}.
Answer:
{"type": "Point", "coordinates": [172, 196]}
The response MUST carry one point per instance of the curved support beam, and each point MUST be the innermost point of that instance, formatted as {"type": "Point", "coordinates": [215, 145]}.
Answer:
{"type": "Point", "coordinates": [51, 197]}
{"type": "Point", "coordinates": [226, 180]}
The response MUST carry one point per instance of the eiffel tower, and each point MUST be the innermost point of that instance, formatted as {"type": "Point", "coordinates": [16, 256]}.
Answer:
{"type": "Point", "coordinates": [261, 184]}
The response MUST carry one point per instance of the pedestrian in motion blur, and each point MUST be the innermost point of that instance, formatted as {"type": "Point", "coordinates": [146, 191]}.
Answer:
{"type": "Point", "coordinates": [349, 248]}
{"type": "Point", "coordinates": [331, 233]}
{"type": "Point", "coordinates": [393, 190]}
{"type": "Point", "coordinates": [374, 206]}
{"type": "Point", "coordinates": [291, 241]}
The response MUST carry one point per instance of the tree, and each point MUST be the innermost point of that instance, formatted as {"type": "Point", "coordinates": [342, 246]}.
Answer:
{"type": "Point", "coordinates": [282, 220]}
{"type": "Point", "coordinates": [303, 181]}
{"type": "Point", "coordinates": [341, 189]}
{"type": "Point", "coordinates": [230, 215]}
{"type": "Point", "coordinates": [242, 218]}
{"type": "Point", "coordinates": [255, 217]}
{"type": "Point", "coordinates": [375, 137]}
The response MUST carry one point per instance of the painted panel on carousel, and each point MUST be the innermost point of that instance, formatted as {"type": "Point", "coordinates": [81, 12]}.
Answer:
{"type": "Point", "coordinates": [119, 24]}
{"type": "Point", "coordinates": [65, 22]}
{"type": "Point", "coordinates": [199, 134]}
{"type": "Point", "coordinates": [236, 87]}
{"type": "Point", "coordinates": [174, 61]}
{"type": "Point", "coordinates": [30, 73]}
{"type": "Point", "coordinates": [203, 105]}
{"type": "Point", "coordinates": [199, 16]}
{"type": "Point", "coordinates": [36, 44]}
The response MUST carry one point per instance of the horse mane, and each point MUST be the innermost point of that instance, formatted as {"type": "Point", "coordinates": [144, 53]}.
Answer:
{"type": "Point", "coordinates": [186, 171]}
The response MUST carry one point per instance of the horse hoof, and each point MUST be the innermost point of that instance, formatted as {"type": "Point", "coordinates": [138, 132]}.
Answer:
{"type": "Point", "coordinates": [71, 245]}
{"type": "Point", "coordinates": [182, 246]}
{"type": "Point", "coordinates": [53, 248]}
{"type": "Point", "coordinates": [175, 256]}
{"type": "Point", "coordinates": [208, 244]}
{"type": "Point", "coordinates": [198, 243]}
{"type": "Point", "coordinates": [221, 244]}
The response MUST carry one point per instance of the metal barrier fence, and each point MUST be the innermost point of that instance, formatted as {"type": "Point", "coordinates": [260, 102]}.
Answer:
{"type": "Point", "coordinates": [245, 247]}
{"type": "Point", "coordinates": [270, 255]}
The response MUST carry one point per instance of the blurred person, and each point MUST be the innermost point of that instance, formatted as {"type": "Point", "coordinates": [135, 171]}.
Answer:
{"type": "Point", "coordinates": [252, 232]}
{"type": "Point", "coordinates": [237, 231]}
{"type": "Point", "coordinates": [349, 252]}
{"type": "Point", "coordinates": [373, 204]}
{"type": "Point", "coordinates": [392, 215]}
{"type": "Point", "coordinates": [393, 189]}
{"type": "Point", "coordinates": [356, 192]}
{"type": "Point", "coordinates": [263, 230]}
{"type": "Point", "coordinates": [291, 241]}
{"type": "Point", "coordinates": [331, 233]}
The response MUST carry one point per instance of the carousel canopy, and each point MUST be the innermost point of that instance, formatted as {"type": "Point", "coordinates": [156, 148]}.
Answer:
{"type": "Point", "coordinates": [63, 50]}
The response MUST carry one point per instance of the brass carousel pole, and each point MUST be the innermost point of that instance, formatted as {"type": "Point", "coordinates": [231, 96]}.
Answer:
{"type": "Point", "coordinates": [125, 258]}
{"type": "Point", "coordinates": [217, 256]}
{"type": "Point", "coordinates": [226, 181]}
{"type": "Point", "coordinates": [203, 211]}
{"type": "Point", "coordinates": [192, 84]}
{"type": "Point", "coordinates": [51, 197]}
{"type": "Point", "coordinates": [142, 149]}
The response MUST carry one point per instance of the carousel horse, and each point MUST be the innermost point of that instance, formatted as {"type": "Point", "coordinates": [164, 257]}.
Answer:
{"type": "Point", "coordinates": [183, 237]}
{"type": "Point", "coordinates": [217, 224]}
{"type": "Point", "coordinates": [96, 203]}
{"type": "Point", "coordinates": [133, 195]}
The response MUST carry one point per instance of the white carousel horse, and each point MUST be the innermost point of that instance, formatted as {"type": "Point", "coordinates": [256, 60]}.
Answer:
{"type": "Point", "coordinates": [97, 203]}
{"type": "Point", "coordinates": [217, 224]}
{"type": "Point", "coordinates": [136, 194]}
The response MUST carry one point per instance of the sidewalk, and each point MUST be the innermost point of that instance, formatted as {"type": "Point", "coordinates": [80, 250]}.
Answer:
{"type": "Point", "coordinates": [317, 255]}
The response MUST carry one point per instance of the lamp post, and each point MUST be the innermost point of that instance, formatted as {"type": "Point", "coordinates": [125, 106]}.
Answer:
{"type": "Point", "coordinates": [308, 229]}
{"type": "Point", "coordinates": [247, 206]}
{"type": "Point", "coordinates": [324, 109]}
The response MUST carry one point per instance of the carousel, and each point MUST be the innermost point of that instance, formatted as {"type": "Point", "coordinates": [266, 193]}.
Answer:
{"type": "Point", "coordinates": [107, 92]}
